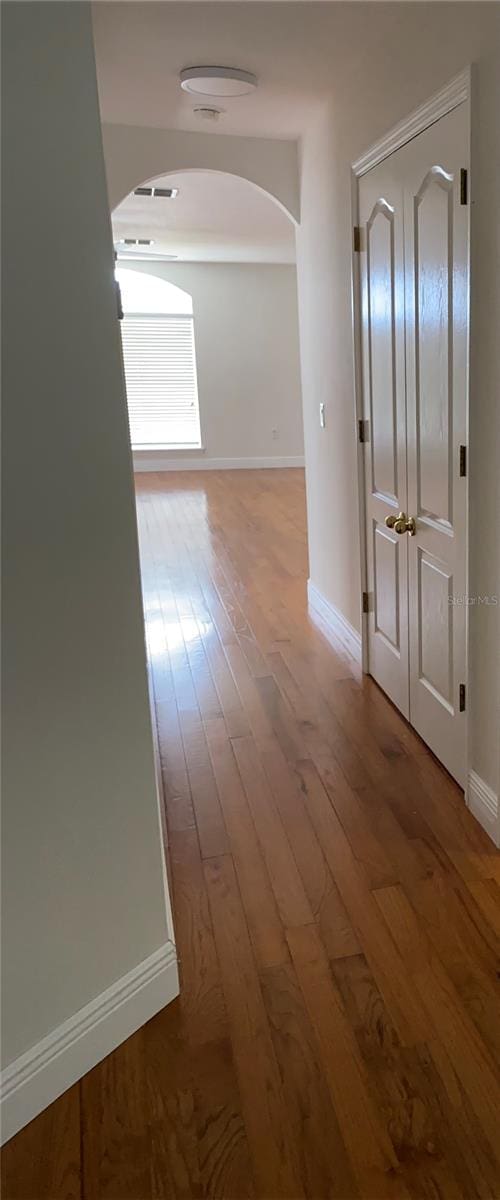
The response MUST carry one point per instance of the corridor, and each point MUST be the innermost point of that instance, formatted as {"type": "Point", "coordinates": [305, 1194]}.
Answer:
{"type": "Point", "coordinates": [335, 905]}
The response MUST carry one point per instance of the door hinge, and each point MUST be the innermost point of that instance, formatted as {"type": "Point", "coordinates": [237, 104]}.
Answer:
{"type": "Point", "coordinates": [463, 460]}
{"type": "Point", "coordinates": [356, 239]}
{"type": "Point", "coordinates": [461, 697]}
{"type": "Point", "coordinates": [365, 604]}
{"type": "Point", "coordinates": [363, 431]}
{"type": "Point", "coordinates": [463, 185]}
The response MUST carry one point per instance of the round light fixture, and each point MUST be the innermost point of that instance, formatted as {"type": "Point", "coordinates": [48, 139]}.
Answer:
{"type": "Point", "coordinates": [217, 81]}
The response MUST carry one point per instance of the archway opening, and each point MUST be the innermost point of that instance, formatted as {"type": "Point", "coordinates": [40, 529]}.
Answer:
{"type": "Point", "coordinates": [231, 247]}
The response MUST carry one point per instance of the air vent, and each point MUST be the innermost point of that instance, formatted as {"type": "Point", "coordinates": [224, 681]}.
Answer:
{"type": "Point", "coordinates": [136, 242]}
{"type": "Point", "coordinates": [207, 114]}
{"type": "Point", "coordinates": [157, 192]}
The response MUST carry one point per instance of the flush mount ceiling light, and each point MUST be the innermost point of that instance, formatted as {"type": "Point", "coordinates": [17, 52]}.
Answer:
{"type": "Point", "coordinates": [217, 81]}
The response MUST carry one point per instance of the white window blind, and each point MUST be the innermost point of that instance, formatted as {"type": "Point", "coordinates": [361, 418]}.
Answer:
{"type": "Point", "coordinates": [160, 374]}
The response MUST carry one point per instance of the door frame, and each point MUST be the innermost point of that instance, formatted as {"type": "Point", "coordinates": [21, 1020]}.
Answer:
{"type": "Point", "coordinates": [459, 90]}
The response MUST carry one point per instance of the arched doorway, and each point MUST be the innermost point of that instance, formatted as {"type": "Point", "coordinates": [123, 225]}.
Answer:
{"type": "Point", "coordinates": [231, 246]}
{"type": "Point", "coordinates": [154, 220]}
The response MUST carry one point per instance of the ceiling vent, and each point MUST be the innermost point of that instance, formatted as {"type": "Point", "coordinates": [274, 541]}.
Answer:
{"type": "Point", "coordinates": [207, 114]}
{"type": "Point", "coordinates": [162, 193]}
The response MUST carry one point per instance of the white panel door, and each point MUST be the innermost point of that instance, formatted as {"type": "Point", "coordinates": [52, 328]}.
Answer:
{"type": "Point", "coordinates": [437, 287]}
{"type": "Point", "coordinates": [414, 277]}
{"type": "Point", "coordinates": [383, 349]}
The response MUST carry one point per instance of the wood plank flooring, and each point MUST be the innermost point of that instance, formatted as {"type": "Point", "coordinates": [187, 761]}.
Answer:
{"type": "Point", "coordinates": [336, 906]}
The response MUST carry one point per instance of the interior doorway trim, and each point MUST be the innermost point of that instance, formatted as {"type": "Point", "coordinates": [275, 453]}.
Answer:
{"type": "Point", "coordinates": [458, 91]}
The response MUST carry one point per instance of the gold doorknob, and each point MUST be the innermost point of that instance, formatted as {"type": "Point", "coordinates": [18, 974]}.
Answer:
{"type": "Point", "coordinates": [402, 524]}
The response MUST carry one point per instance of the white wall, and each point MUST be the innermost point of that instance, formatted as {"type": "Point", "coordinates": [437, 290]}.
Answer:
{"type": "Point", "coordinates": [408, 52]}
{"type": "Point", "coordinates": [135, 154]}
{"type": "Point", "coordinates": [84, 899]}
{"type": "Point", "coordinates": [247, 355]}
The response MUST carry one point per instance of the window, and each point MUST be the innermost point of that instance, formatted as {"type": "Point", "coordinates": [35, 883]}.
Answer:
{"type": "Point", "coordinates": [160, 362]}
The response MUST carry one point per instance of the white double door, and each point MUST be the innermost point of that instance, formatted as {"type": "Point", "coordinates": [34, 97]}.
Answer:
{"type": "Point", "coordinates": [414, 273]}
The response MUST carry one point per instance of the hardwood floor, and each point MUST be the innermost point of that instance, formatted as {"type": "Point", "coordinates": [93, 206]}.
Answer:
{"type": "Point", "coordinates": [336, 907]}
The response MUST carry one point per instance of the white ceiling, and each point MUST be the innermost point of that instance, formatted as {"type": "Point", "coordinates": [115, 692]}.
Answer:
{"type": "Point", "coordinates": [215, 217]}
{"type": "Point", "coordinates": [140, 49]}
{"type": "Point", "coordinates": [292, 48]}
{"type": "Point", "coordinates": [301, 52]}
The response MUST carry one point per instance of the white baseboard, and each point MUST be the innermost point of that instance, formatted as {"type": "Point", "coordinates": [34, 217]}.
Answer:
{"type": "Point", "coordinates": [483, 804]}
{"type": "Point", "coordinates": [165, 462]}
{"type": "Point", "coordinates": [335, 625]}
{"type": "Point", "coordinates": [38, 1077]}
